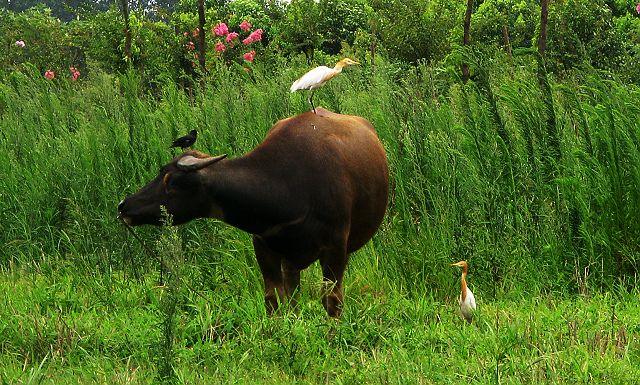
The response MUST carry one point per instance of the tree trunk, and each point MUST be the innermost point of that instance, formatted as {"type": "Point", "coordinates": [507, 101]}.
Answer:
{"type": "Point", "coordinates": [373, 45]}
{"type": "Point", "coordinates": [201, 33]}
{"type": "Point", "coordinates": [127, 30]}
{"type": "Point", "coordinates": [553, 136]}
{"type": "Point", "coordinates": [466, 40]}
{"type": "Point", "coordinates": [544, 14]}
{"type": "Point", "coordinates": [507, 42]}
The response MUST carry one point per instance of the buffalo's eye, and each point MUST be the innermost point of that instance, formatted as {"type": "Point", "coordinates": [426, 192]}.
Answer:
{"type": "Point", "coordinates": [166, 182]}
{"type": "Point", "coordinates": [174, 181]}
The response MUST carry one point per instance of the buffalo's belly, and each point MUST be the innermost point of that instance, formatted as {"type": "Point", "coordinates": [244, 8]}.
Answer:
{"type": "Point", "coordinates": [300, 249]}
{"type": "Point", "coordinates": [367, 214]}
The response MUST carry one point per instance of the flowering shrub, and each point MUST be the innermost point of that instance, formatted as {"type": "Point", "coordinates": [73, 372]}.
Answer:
{"type": "Point", "coordinates": [245, 26]}
{"type": "Point", "coordinates": [227, 47]}
{"type": "Point", "coordinates": [253, 37]}
{"type": "Point", "coordinates": [37, 37]}
{"type": "Point", "coordinates": [249, 56]}
{"type": "Point", "coordinates": [220, 29]}
{"type": "Point", "coordinates": [231, 37]}
{"type": "Point", "coordinates": [51, 74]}
{"type": "Point", "coordinates": [75, 73]}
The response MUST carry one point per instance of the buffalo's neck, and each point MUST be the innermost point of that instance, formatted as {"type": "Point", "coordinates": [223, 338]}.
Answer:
{"type": "Point", "coordinates": [246, 197]}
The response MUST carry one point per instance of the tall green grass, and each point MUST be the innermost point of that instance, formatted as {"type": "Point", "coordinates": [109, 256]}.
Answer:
{"type": "Point", "coordinates": [471, 178]}
{"type": "Point", "coordinates": [459, 190]}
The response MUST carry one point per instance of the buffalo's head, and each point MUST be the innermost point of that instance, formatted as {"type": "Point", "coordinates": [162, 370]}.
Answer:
{"type": "Point", "coordinates": [179, 187]}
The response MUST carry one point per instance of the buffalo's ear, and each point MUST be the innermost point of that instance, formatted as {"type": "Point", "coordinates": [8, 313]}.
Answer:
{"type": "Point", "coordinates": [191, 163]}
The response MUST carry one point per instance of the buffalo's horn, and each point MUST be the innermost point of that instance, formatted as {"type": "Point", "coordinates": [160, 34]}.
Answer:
{"type": "Point", "coordinates": [191, 163]}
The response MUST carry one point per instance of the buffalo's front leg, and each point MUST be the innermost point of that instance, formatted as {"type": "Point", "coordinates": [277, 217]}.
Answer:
{"type": "Point", "coordinates": [291, 275]}
{"type": "Point", "coordinates": [270, 266]}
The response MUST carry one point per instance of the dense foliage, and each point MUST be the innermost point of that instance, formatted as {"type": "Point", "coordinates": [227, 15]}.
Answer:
{"type": "Point", "coordinates": [530, 171]}
{"type": "Point", "coordinates": [476, 174]}
{"type": "Point", "coordinates": [466, 184]}
{"type": "Point", "coordinates": [603, 34]}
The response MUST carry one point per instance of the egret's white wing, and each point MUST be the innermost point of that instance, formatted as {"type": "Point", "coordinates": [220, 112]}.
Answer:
{"type": "Point", "coordinates": [468, 306]}
{"type": "Point", "coordinates": [471, 299]}
{"type": "Point", "coordinates": [313, 79]}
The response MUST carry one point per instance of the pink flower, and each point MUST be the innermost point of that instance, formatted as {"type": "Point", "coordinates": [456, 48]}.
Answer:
{"type": "Point", "coordinates": [638, 8]}
{"type": "Point", "coordinates": [220, 29]}
{"type": "Point", "coordinates": [220, 47]}
{"type": "Point", "coordinates": [74, 73]}
{"type": "Point", "coordinates": [190, 46]}
{"type": "Point", "coordinates": [253, 37]}
{"type": "Point", "coordinates": [245, 25]}
{"type": "Point", "coordinates": [256, 35]}
{"type": "Point", "coordinates": [231, 36]}
{"type": "Point", "coordinates": [249, 56]}
{"type": "Point", "coordinates": [185, 34]}
{"type": "Point", "coordinates": [20, 43]}
{"type": "Point", "coordinates": [196, 32]}
{"type": "Point", "coordinates": [49, 74]}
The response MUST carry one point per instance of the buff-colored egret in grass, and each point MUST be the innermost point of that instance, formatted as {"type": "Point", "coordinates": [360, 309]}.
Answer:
{"type": "Point", "coordinates": [318, 76]}
{"type": "Point", "coordinates": [466, 300]}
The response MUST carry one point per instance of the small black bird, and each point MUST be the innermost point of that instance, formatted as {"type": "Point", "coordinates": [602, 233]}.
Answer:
{"type": "Point", "coordinates": [185, 141]}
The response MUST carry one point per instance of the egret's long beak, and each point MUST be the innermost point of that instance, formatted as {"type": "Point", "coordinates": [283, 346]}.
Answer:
{"type": "Point", "coordinates": [458, 264]}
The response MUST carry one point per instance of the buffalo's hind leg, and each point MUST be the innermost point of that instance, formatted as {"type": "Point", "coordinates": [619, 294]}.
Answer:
{"type": "Point", "coordinates": [333, 266]}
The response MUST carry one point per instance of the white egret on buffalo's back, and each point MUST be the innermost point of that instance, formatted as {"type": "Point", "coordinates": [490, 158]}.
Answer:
{"type": "Point", "coordinates": [466, 300]}
{"type": "Point", "coordinates": [318, 76]}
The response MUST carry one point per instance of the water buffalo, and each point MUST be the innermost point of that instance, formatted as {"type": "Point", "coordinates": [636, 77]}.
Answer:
{"type": "Point", "coordinates": [316, 188]}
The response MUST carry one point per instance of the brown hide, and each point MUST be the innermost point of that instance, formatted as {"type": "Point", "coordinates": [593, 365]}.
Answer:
{"type": "Point", "coordinates": [315, 189]}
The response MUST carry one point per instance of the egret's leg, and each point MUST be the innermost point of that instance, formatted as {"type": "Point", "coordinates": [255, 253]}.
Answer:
{"type": "Point", "coordinates": [311, 101]}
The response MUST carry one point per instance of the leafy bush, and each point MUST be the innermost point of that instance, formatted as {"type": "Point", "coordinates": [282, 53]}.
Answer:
{"type": "Point", "coordinates": [629, 27]}
{"type": "Point", "coordinates": [340, 20]}
{"type": "Point", "coordinates": [325, 25]}
{"type": "Point", "coordinates": [301, 28]}
{"type": "Point", "coordinates": [102, 34]}
{"type": "Point", "coordinates": [579, 32]}
{"type": "Point", "coordinates": [48, 43]}
{"type": "Point", "coordinates": [521, 18]}
{"type": "Point", "coordinates": [419, 29]}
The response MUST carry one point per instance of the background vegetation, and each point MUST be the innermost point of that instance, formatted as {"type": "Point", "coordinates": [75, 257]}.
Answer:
{"type": "Point", "coordinates": [537, 190]}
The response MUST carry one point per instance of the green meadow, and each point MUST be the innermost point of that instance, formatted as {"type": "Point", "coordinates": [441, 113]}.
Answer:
{"type": "Point", "coordinates": [536, 184]}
